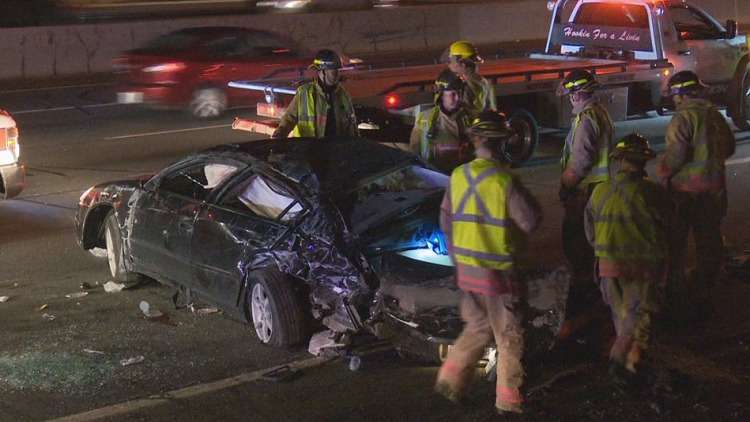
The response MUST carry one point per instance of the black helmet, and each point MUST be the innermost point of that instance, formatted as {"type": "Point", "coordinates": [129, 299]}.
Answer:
{"type": "Point", "coordinates": [447, 81]}
{"type": "Point", "coordinates": [685, 82]}
{"type": "Point", "coordinates": [633, 146]}
{"type": "Point", "coordinates": [577, 80]}
{"type": "Point", "coordinates": [326, 59]}
{"type": "Point", "coordinates": [490, 124]}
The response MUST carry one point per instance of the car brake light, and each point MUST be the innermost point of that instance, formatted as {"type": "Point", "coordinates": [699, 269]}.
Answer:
{"type": "Point", "coordinates": [391, 101]}
{"type": "Point", "coordinates": [11, 141]}
{"type": "Point", "coordinates": [165, 67]}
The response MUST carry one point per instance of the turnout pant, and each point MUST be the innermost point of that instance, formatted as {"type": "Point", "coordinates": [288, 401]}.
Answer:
{"type": "Point", "coordinates": [634, 305]}
{"type": "Point", "coordinates": [487, 318]}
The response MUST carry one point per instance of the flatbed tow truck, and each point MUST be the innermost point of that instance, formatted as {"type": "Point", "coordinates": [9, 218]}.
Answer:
{"type": "Point", "coordinates": [628, 54]}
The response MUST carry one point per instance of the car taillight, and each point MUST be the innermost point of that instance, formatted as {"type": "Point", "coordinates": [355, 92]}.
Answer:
{"type": "Point", "coordinates": [165, 67]}
{"type": "Point", "coordinates": [85, 199]}
{"type": "Point", "coordinates": [11, 141]}
{"type": "Point", "coordinates": [391, 101]}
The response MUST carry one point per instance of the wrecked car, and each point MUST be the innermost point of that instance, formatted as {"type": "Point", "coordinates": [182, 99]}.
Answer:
{"type": "Point", "coordinates": [286, 234]}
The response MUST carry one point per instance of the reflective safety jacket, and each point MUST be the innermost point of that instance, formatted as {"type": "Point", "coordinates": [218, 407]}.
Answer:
{"type": "Point", "coordinates": [481, 233]}
{"type": "Point", "coordinates": [698, 141]}
{"type": "Point", "coordinates": [438, 137]}
{"type": "Point", "coordinates": [627, 222]}
{"type": "Point", "coordinates": [479, 94]}
{"type": "Point", "coordinates": [586, 151]}
{"type": "Point", "coordinates": [307, 114]}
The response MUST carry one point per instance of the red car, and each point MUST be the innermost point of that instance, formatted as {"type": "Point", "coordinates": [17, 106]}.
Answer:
{"type": "Point", "coordinates": [190, 68]}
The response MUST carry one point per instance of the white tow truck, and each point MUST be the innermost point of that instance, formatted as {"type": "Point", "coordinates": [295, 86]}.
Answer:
{"type": "Point", "coordinates": [633, 62]}
{"type": "Point", "coordinates": [12, 173]}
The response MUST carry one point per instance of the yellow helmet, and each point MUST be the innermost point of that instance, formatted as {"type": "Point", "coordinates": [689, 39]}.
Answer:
{"type": "Point", "coordinates": [464, 50]}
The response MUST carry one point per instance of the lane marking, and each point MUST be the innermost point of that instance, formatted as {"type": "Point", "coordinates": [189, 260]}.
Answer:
{"type": "Point", "coordinates": [166, 132]}
{"type": "Point", "coordinates": [44, 110]}
{"type": "Point", "coordinates": [182, 393]}
{"type": "Point", "coordinates": [50, 88]}
{"type": "Point", "coordinates": [734, 161]}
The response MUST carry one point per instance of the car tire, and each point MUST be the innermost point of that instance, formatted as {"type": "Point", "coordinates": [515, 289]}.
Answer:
{"type": "Point", "coordinates": [522, 148]}
{"type": "Point", "coordinates": [275, 309]}
{"type": "Point", "coordinates": [115, 252]}
{"type": "Point", "coordinates": [207, 103]}
{"type": "Point", "coordinates": [739, 106]}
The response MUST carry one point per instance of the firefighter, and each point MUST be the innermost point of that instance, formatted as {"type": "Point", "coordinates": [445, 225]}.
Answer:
{"type": "Point", "coordinates": [628, 219]}
{"type": "Point", "coordinates": [480, 94]}
{"type": "Point", "coordinates": [321, 107]}
{"type": "Point", "coordinates": [439, 134]}
{"type": "Point", "coordinates": [698, 141]}
{"type": "Point", "coordinates": [485, 215]}
{"type": "Point", "coordinates": [585, 163]}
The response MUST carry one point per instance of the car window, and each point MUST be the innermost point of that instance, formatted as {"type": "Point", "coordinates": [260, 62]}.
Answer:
{"type": "Point", "coordinates": [174, 41]}
{"type": "Point", "coordinates": [233, 45]}
{"type": "Point", "coordinates": [612, 14]}
{"type": "Point", "coordinates": [267, 45]}
{"type": "Point", "coordinates": [263, 198]}
{"type": "Point", "coordinates": [196, 181]}
{"type": "Point", "coordinates": [691, 24]}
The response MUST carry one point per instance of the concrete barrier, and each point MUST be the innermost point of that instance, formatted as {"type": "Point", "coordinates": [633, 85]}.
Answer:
{"type": "Point", "coordinates": [87, 49]}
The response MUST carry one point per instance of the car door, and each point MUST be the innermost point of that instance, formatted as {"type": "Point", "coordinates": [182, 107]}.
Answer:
{"type": "Point", "coordinates": [700, 45]}
{"type": "Point", "coordinates": [250, 216]}
{"type": "Point", "coordinates": [163, 218]}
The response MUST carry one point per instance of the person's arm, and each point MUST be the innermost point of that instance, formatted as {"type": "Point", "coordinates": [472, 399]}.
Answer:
{"type": "Point", "coordinates": [492, 98]}
{"type": "Point", "coordinates": [415, 139]}
{"type": "Point", "coordinates": [446, 219]}
{"type": "Point", "coordinates": [679, 135]}
{"type": "Point", "coordinates": [584, 154]}
{"type": "Point", "coordinates": [352, 118]}
{"type": "Point", "coordinates": [289, 119]}
{"type": "Point", "coordinates": [523, 208]}
{"type": "Point", "coordinates": [589, 222]}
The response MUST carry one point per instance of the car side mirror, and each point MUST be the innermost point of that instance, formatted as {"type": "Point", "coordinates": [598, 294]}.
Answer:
{"type": "Point", "coordinates": [731, 29]}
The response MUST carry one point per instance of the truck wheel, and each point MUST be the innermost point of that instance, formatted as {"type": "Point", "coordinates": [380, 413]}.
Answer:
{"type": "Point", "coordinates": [275, 310]}
{"type": "Point", "coordinates": [207, 103]}
{"type": "Point", "coordinates": [740, 94]}
{"type": "Point", "coordinates": [115, 253]}
{"type": "Point", "coordinates": [522, 145]}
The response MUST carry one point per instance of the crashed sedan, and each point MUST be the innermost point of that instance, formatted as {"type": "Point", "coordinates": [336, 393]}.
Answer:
{"type": "Point", "coordinates": [286, 234]}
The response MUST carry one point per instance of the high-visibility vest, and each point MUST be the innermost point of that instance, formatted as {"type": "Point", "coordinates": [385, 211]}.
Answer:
{"type": "Point", "coordinates": [430, 148]}
{"type": "Point", "coordinates": [482, 235]}
{"type": "Point", "coordinates": [479, 94]}
{"type": "Point", "coordinates": [706, 169]}
{"type": "Point", "coordinates": [605, 128]}
{"type": "Point", "coordinates": [312, 114]}
{"type": "Point", "coordinates": [624, 225]}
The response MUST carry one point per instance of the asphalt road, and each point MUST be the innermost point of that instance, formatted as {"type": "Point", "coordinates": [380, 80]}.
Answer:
{"type": "Point", "coordinates": [60, 357]}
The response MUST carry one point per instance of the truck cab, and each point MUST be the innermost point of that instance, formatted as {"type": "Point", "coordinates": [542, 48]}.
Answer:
{"type": "Point", "coordinates": [674, 30]}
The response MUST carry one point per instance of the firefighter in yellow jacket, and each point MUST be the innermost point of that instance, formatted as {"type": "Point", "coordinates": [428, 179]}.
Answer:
{"type": "Point", "coordinates": [628, 220]}
{"type": "Point", "coordinates": [479, 95]}
{"type": "Point", "coordinates": [439, 134]}
{"type": "Point", "coordinates": [321, 107]}
{"type": "Point", "coordinates": [585, 163]}
{"type": "Point", "coordinates": [698, 141]}
{"type": "Point", "coordinates": [485, 215]}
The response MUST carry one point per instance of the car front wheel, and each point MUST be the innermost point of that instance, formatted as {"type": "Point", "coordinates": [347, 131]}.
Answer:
{"type": "Point", "coordinates": [207, 103]}
{"type": "Point", "coordinates": [115, 252]}
{"type": "Point", "coordinates": [275, 309]}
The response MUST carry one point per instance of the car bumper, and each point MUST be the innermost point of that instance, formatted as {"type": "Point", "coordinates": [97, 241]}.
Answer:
{"type": "Point", "coordinates": [158, 96]}
{"type": "Point", "coordinates": [13, 179]}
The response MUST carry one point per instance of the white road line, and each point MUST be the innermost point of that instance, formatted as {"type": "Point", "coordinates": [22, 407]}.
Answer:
{"type": "Point", "coordinates": [734, 161]}
{"type": "Point", "coordinates": [139, 135]}
{"type": "Point", "coordinates": [183, 393]}
{"type": "Point", "coordinates": [51, 88]}
{"type": "Point", "coordinates": [45, 110]}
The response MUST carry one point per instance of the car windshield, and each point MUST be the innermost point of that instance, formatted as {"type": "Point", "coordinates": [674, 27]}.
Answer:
{"type": "Point", "coordinates": [174, 41]}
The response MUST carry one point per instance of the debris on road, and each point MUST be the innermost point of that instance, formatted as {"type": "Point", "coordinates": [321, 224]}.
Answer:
{"type": "Point", "coordinates": [112, 287]}
{"type": "Point", "coordinates": [147, 311]}
{"type": "Point", "coordinates": [76, 295]}
{"type": "Point", "coordinates": [281, 374]}
{"type": "Point", "coordinates": [42, 307]}
{"type": "Point", "coordinates": [203, 311]}
{"type": "Point", "coordinates": [132, 361]}
{"type": "Point", "coordinates": [93, 352]}
{"type": "Point", "coordinates": [48, 317]}
{"type": "Point", "coordinates": [87, 286]}
{"type": "Point", "coordinates": [354, 363]}
{"type": "Point", "coordinates": [324, 342]}
{"type": "Point", "coordinates": [4, 298]}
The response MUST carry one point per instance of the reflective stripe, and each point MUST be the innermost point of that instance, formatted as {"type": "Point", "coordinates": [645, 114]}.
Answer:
{"type": "Point", "coordinates": [599, 117]}
{"type": "Point", "coordinates": [483, 255]}
{"type": "Point", "coordinates": [479, 219]}
{"type": "Point", "coordinates": [508, 396]}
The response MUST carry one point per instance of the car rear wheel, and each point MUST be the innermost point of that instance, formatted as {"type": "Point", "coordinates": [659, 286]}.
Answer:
{"type": "Point", "coordinates": [207, 102]}
{"type": "Point", "coordinates": [275, 309]}
{"type": "Point", "coordinates": [115, 252]}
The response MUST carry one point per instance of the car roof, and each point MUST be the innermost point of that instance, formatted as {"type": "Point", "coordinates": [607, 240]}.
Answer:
{"type": "Point", "coordinates": [322, 165]}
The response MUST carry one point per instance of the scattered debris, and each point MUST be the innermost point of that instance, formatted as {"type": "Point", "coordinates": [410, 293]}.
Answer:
{"type": "Point", "coordinates": [41, 308]}
{"type": "Point", "coordinates": [281, 374]}
{"type": "Point", "coordinates": [93, 352]}
{"type": "Point", "coordinates": [4, 298]}
{"type": "Point", "coordinates": [203, 311]}
{"type": "Point", "coordinates": [354, 363]}
{"type": "Point", "coordinates": [132, 361]}
{"type": "Point", "coordinates": [48, 317]}
{"type": "Point", "coordinates": [147, 311]}
{"type": "Point", "coordinates": [76, 295]}
{"type": "Point", "coordinates": [324, 342]}
{"type": "Point", "coordinates": [87, 286]}
{"type": "Point", "coordinates": [112, 287]}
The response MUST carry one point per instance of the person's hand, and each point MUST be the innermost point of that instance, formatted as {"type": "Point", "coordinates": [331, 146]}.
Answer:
{"type": "Point", "coordinates": [564, 193]}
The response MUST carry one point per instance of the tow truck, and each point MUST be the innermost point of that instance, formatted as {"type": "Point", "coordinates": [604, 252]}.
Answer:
{"type": "Point", "coordinates": [632, 46]}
